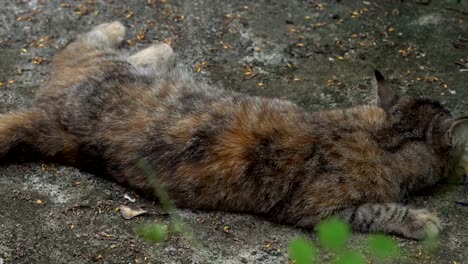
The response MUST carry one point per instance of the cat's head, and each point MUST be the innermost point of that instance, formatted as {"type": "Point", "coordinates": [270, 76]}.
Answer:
{"type": "Point", "coordinates": [422, 119]}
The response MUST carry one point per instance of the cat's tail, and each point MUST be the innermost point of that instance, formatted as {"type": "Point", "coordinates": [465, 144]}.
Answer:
{"type": "Point", "coordinates": [37, 133]}
{"type": "Point", "coordinates": [16, 128]}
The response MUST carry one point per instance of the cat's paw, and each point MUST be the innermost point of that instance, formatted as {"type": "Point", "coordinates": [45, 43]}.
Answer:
{"type": "Point", "coordinates": [421, 224]}
{"type": "Point", "coordinates": [112, 34]}
{"type": "Point", "coordinates": [158, 53]}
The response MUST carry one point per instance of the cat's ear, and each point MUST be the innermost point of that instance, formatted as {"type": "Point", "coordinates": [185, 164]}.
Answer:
{"type": "Point", "coordinates": [458, 132]}
{"type": "Point", "coordinates": [386, 96]}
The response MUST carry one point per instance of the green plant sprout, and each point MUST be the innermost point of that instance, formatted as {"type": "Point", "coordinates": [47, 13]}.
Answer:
{"type": "Point", "coordinates": [302, 251]}
{"type": "Point", "coordinates": [159, 233]}
{"type": "Point", "coordinates": [382, 246]}
{"type": "Point", "coordinates": [333, 235]}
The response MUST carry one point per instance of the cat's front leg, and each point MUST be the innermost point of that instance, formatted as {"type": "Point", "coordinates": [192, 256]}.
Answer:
{"type": "Point", "coordinates": [392, 218]}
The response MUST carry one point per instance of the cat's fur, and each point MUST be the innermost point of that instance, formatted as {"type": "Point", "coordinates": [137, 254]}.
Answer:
{"type": "Point", "coordinates": [216, 149]}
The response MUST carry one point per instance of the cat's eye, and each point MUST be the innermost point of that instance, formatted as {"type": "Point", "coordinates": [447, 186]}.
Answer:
{"type": "Point", "coordinates": [396, 113]}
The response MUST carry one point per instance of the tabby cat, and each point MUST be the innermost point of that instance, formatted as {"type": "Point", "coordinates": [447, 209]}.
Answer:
{"type": "Point", "coordinates": [221, 150]}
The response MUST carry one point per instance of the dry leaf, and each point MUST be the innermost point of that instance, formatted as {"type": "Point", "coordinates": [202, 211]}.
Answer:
{"type": "Point", "coordinates": [104, 234]}
{"type": "Point", "coordinates": [126, 196]}
{"type": "Point", "coordinates": [129, 213]}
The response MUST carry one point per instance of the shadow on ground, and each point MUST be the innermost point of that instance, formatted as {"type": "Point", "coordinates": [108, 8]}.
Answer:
{"type": "Point", "coordinates": [319, 54]}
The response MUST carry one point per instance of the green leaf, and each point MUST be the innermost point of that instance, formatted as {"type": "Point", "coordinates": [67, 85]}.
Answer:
{"type": "Point", "coordinates": [351, 257]}
{"type": "Point", "coordinates": [382, 246]}
{"type": "Point", "coordinates": [302, 251]}
{"type": "Point", "coordinates": [333, 233]}
{"type": "Point", "coordinates": [431, 242]}
{"type": "Point", "coordinates": [176, 227]}
{"type": "Point", "coordinates": [153, 232]}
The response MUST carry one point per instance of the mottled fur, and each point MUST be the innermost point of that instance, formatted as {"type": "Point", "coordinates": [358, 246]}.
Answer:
{"type": "Point", "coordinates": [215, 149]}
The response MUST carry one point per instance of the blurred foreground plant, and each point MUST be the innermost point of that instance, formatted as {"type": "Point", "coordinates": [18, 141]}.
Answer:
{"type": "Point", "coordinates": [333, 234]}
{"type": "Point", "coordinates": [157, 232]}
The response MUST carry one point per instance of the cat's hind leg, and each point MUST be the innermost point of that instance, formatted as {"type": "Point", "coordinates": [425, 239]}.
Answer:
{"type": "Point", "coordinates": [101, 38]}
{"type": "Point", "coordinates": [107, 35]}
{"type": "Point", "coordinates": [161, 54]}
{"type": "Point", "coordinates": [393, 218]}
{"type": "Point", "coordinates": [87, 55]}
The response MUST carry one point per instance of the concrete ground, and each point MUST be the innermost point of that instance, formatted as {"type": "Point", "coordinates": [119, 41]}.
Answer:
{"type": "Point", "coordinates": [319, 54]}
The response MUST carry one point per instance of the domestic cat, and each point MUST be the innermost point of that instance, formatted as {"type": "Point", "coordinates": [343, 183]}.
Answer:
{"type": "Point", "coordinates": [220, 150]}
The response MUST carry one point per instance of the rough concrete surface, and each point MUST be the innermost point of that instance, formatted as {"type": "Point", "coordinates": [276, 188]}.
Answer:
{"type": "Point", "coordinates": [319, 54]}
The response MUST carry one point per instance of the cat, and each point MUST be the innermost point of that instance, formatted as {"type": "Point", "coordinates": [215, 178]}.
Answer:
{"type": "Point", "coordinates": [216, 149]}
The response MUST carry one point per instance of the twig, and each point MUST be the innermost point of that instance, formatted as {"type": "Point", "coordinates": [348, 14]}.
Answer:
{"type": "Point", "coordinates": [456, 10]}
{"type": "Point", "coordinates": [461, 203]}
{"type": "Point", "coordinates": [461, 64]}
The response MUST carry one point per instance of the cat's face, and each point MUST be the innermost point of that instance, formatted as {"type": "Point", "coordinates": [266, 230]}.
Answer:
{"type": "Point", "coordinates": [422, 120]}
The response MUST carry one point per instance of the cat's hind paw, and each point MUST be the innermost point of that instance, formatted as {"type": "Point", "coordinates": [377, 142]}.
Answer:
{"type": "Point", "coordinates": [155, 54]}
{"type": "Point", "coordinates": [108, 34]}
